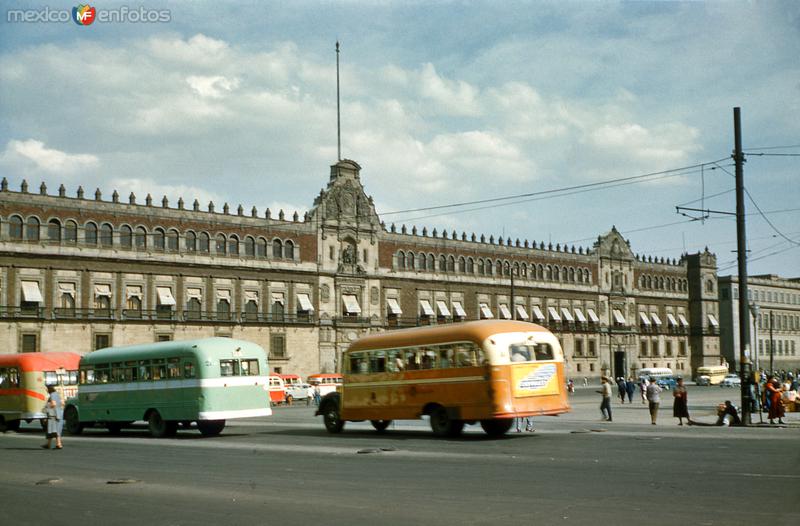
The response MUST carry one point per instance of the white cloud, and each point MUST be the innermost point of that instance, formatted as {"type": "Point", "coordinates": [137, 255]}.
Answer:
{"type": "Point", "coordinates": [33, 153]}
{"type": "Point", "coordinates": [214, 87]}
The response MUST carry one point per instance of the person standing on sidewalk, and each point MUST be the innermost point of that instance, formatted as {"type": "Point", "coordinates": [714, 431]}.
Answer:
{"type": "Point", "coordinates": [605, 392]}
{"type": "Point", "coordinates": [630, 388]}
{"type": "Point", "coordinates": [653, 399]}
{"type": "Point", "coordinates": [680, 408]}
{"type": "Point", "coordinates": [54, 408]}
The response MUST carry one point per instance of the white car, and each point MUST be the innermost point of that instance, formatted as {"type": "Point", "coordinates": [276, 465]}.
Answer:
{"type": "Point", "coordinates": [731, 380]}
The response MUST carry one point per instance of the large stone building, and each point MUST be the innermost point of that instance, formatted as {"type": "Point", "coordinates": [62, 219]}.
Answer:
{"type": "Point", "coordinates": [774, 321]}
{"type": "Point", "coordinates": [80, 273]}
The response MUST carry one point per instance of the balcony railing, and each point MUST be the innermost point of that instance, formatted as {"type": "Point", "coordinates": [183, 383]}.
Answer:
{"type": "Point", "coordinates": [15, 311]}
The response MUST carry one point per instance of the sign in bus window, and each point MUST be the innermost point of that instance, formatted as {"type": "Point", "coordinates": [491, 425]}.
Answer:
{"type": "Point", "coordinates": [249, 367]}
{"type": "Point", "coordinates": [229, 367]}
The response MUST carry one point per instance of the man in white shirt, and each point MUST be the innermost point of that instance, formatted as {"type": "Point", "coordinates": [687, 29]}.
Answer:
{"type": "Point", "coordinates": [605, 391]}
{"type": "Point", "coordinates": [653, 398]}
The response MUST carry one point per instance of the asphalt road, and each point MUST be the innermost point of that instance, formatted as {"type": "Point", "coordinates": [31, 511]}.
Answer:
{"type": "Point", "coordinates": [287, 469]}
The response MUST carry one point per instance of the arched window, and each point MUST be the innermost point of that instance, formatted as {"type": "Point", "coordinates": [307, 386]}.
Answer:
{"type": "Point", "coordinates": [421, 261]}
{"type": "Point", "coordinates": [133, 307]}
{"type": "Point", "coordinates": [556, 274]}
{"type": "Point", "coordinates": [481, 267]}
{"type": "Point", "coordinates": [172, 240]}
{"type": "Point", "coordinates": [410, 261]}
{"type": "Point", "coordinates": [221, 244]}
{"type": "Point", "coordinates": [90, 236]}
{"type": "Point", "coordinates": [32, 229]}
{"type": "Point", "coordinates": [249, 246]}
{"type": "Point", "coordinates": [401, 260]}
{"type": "Point", "coordinates": [71, 232]}
{"type": "Point", "coordinates": [498, 267]}
{"type": "Point", "coordinates": [709, 286]}
{"type": "Point", "coordinates": [506, 269]}
{"type": "Point", "coordinates": [223, 309]}
{"type": "Point", "coordinates": [158, 239]}
{"type": "Point", "coordinates": [489, 269]}
{"type": "Point", "coordinates": [277, 248]}
{"type": "Point", "coordinates": [462, 265]}
{"type": "Point", "coordinates": [470, 266]}
{"type": "Point", "coordinates": [548, 272]}
{"type": "Point", "coordinates": [288, 250]}
{"type": "Point", "coordinates": [277, 310]}
{"type": "Point", "coordinates": [67, 305]}
{"type": "Point", "coordinates": [54, 231]}
{"type": "Point", "coordinates": [190, 241]}
{"type": "Point", "coordinates": [442, 263]}
{"type": "Point", "coordinates": [106, 235]}
{"type": "Point", "coordinates": [193, 309]}
{"type": "Point", "coordinates": [15, 228]}
{"type": "Point", "coordinates": [140, 238]}
{"type": "Point", "coordinates": [204, 243]}
{"type": "Point", "coordinates": [251, 310]}
{"type": "Point", "coordinates": [125, 236]}
{"type": "Point", "coordinates": [572, 275]}
{"type": "Point", "coordinates": [431, 263]}
{"type": "Point", "coordinates": [233, 245]}
{"type": "Point", "coordinates": [451, 264]}
{"type": "Point", "coordinates": [521, 270]}
{"type": "Point", "coordinates": [540, 271]}
{"type": "Point", "coordinates": [261, 248]}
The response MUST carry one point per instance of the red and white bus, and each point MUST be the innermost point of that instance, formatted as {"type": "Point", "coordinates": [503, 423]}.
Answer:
{"type": "Point", "coordinates": [327, 382]}
{"type": "Point", "coordinates": [277, 390]}
{"type": "Point", "coordinates": [23, 381]}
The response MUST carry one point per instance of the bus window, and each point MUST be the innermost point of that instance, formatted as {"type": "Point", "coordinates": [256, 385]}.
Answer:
{"type": "Point", "coordinates": [411, 361]}
{"type": "Point", "coordinates": [188, 370]}
{"type": "Point", "coordinates": [427, 359]}
{"type": "Point", "coordinates": [101, 373]}
{"type": "Point", "coordinates": [249, 367]}
{"type": "Point", "coordinates": [466, 356]}
{"type": "Point", "coordinates": [50, 378]}
{"type": "Point", "coordinates": [543, 351]}
{"type": "Point", "coordinates": [394, 361]}
{"type": "Point", "coordinates": [159, 369]}
{"type": "Point", "coordinates": [229, 367]}
{"type": "Point", "coordinates": [9, 377]}
{"type": "Point", "coordinates": [377, 361]}
{"type": "Point", "coordinates": [117, 374]}
{"type": "Point", "coordinates": [446, 355]}
{"type": "Point", "coordinates": [173, 368]}
{"type": "Point", "coordinates": [144, 370]}
{"type": "Point", "coordinates": [358, 363]}
{"type": "Point", "coordinates": [73, 378]}
{"type": "Point", "coordinates": [86, 375]}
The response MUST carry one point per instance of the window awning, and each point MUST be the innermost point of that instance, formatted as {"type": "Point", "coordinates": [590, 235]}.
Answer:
{"type": "Point", "coordinates": [425, 307]}
{"type": "Point", "coordinates": [192, 293]}
{"type": "Point", "coordinates": [579, 315]}
{"type": "Point", "coordinates": [102, 289]}
{"type": "Point", "coordinates": [553, 314]}
{"type": "Point", "coordinates": [656, 319]}
{"type": "Point", "coordinates": [351, 304]}
{"type": "Point", "coordinates": [713, 321]}
{"type": "Point", "coordinates": [66, 288]}
{"type": "Point", "coordinates": [133, 291]}
{"type": "Point", "coordinates": [278, 297]}
{"type": "Point", "coordinates": [683, 319]}
{"type": "Point", "coordinates": [486, 312]}
{"type": "Point", "coordinates": [671, 320]}
{"type": "Point", "coordinates": [305, 303]}
{"type": "Point", "coordinates": [592, 316]}
{"type": "Point", "coordinates": [504, 312]}
{"type": "Point", "coordinates": [251, 295]}
{"type": "Point", "coordinates": [459, 309]}
{"type": "Point", "coordinates": [441, 306]}
{"type": "Point", "coordinates": [618, 317]}
{"type": "Point", "coordinates": [224, 295]}
{"type": "Point", "coordinates": [521, 312]}
{"type": "Point", "coordinates": [537, 313]}
{"type": "Point", "coordinates": [643, 317]}
{"type": "Point", "coordinates": [566, 314]}
{"type": "Point", "coordinates": [165, 296]}
{"type": "Point", "coordinates": [394, 306]}
{"type": "Point", "coordinates": [31, 292]}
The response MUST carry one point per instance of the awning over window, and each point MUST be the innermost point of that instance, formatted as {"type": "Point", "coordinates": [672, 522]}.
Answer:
{"type": "Point", "coordinates": [441, 306]}
{"type": "Point", "coordinates": [643, 317]}
{"type": "Point", "coordinates": [537, 313]}
{"type": "Point", "coordinates": [31, 292]}
{"type": "Point", "coordinates": [251, 295]}
{"type": "Point", "coordinates": [592, 316]}
{"type": "Point", "coordinates": [459, 309]}
{"type": "Point", "coordinates": [683, 319]}
{"type": "Point", "coordinates": [566, 314]}
{"type": "Point", "coordinates": [165, 296]}
{"type": "Point", "coordinates": [656, 319]}
{"type": "Point", "coordinates": [224, 295]}
{"type": "Point", "coordinates": [713, 321]}
{"type": "Point", "coordinates": [351, 304]}
{"type": "Point", "coordinates": [504, 312]}
{"type": "Point", "coordinates": [618, 317]}
{"type": "Point", "coordinates": [486, 312]}
{"type": "Point", "coordinates": [193, 293]}
{"type": "Point", "coordinates": [521, 312]}
{"type": "Point", "coordinates": [394, 307]}
{"type": "Point", "coordinates": [278, 297]}
{"type": "Point", "coordinates": [425, 307]}
{"type": "Point", "coordinates": [66, 288]}
{"type": "Point", "coordinates": [102, 289]}
{"type": "Point", "coordinates": [133, 291]}
{"type": "Point", "coordinates": [305, 303]}
{"type": "Point", "coordinates": [553, 314]}
{"type": "Point", "coordinates": [671, 320]}
{"type": "Point", "coordinates": [579, 315]}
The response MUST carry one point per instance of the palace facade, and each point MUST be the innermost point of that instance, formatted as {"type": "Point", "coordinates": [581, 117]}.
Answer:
{"type": "Point", "coordinates": [78, 273]}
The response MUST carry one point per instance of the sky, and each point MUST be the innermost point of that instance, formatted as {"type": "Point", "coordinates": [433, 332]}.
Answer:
{"type": "Point", "coordinates": [441, 103]}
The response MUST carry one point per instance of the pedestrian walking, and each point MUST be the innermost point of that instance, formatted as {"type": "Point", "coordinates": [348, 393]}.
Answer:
{"type": "Point", "coordinates": [317, 396]}
{"type": "Point", "coordinates": [653, 399]}
{"type": "Point", "coordinates": [571, 386]}
{"type": "Point", "coordinates": [55, 418]}
{"type": "Point", "coordinates": [526, 421]}
{"type": "Point", "coordinates": [643, 389]}
{"type": "Point", "coordinates": [585, 382]}
{"type": "Point", "coordinates": [310, 395]}
{"type": "Point", "coordinates": [605, 392]}
{"type": "Point", "coordinates": [630, 388]}
{"type": "Point", "coordinates": [621, 390]}
{"type": "Point", "coordinates": [680, 407]}
{"type": "Point", "coordinates": [776, 410]}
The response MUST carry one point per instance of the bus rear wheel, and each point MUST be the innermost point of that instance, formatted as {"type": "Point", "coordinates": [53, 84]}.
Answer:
{"type": "Point", "coordinates": [210, 428]}
{"type": "Point", "coordinates": [160, 428]}
{"type": "Point", "coordinates": [380, 425]}
{"type": "Point", "coordinates": [8, 425]}
{"type": "Point", "coordinates": [497, 427]}
{"type": "Point", "coordinates": [72, 422]}
{"type": "Point", "coordinates": [332, 419]}
{"type": "Point", "coordinates": [444, 426]}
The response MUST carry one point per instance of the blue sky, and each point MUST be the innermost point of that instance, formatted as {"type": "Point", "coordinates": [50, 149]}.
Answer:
{"type": "Point", "coordinates": [442, 102]}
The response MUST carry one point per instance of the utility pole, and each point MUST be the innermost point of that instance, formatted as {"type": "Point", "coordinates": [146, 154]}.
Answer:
{"type": "Point", "coordinates": [513, 308]}
{"type": "Point", "coordinates": [741, 248]}
{"type": "Point", "coordinates": [771, 344]}
{"type": "Point", "coordinates": [338, 114]}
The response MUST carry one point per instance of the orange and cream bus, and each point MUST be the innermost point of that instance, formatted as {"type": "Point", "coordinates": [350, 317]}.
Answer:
{"type": "Point", "coordinates": [23, 381]}
{"type": "Point", "coordinates": [482, 371]}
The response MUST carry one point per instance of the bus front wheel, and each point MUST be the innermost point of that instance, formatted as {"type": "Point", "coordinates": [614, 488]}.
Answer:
{"type": "Point", "coordinates": [332, 418]}
{"type": "Point", "coordinates": [497, 427]}
{"type": "Point", "coordinates": [160, 428]}
{"type": "Point", "coordinates": [71, 421]}
{"type": "Point", "coordinates": [8, 425]}
{"type": "Point", "coordinates": [210, 428]}
{"type": "Point", "coordinates": [444, 426]}
{"type": "Point", "coordinates": [380, 425]}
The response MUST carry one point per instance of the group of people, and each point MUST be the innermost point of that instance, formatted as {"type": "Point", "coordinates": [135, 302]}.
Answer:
{"type": "Point", "coordinates": [651, 394]}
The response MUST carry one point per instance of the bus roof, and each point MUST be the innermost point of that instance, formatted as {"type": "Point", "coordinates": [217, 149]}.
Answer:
{"type": "Point", "coordinates": [472, 331]}
{"type": "Point", "coordinates": [222, 347]}
{"type": "Point", "coordinates": [41, 361]}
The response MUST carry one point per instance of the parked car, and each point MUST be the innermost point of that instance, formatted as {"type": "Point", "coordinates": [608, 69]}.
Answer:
{"type": "Point", "coordinates": [731, 380]}
{"type": "Point", "coordinates": [295, 392]}
{"type": "Point", "coordinates": [666, 382]}
{"type": "Point", "coordinates": [703, 380]}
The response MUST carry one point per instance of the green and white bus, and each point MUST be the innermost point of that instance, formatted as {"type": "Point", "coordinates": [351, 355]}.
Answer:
{"type": "Point", "coordinates": [206, 381]}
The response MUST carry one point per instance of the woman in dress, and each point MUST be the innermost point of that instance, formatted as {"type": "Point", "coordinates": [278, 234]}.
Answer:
{"type": "Point", "coordinates": [680, 408]}
{"type": "Point", "coordinates": [55, 417]}
{"type": "Point", "coordinates": [773, 389]}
